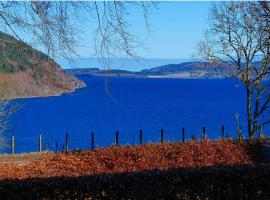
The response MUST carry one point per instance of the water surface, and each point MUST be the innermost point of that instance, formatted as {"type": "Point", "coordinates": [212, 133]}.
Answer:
{"type": "Point", "coordinates": [128, 104]}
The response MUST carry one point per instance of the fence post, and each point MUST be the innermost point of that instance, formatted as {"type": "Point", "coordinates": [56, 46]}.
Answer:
{"type": "Point", "coordinates": [56, 147]}
{"type": "Point", "coordinates": [204, 134]}
{"type": "Point", "coordinates": [40, 143]}
{"type": "Point", "coordinates": [67, 141]}
{"type": "Point", "coordinates": [116, 138]}
{"type": "Point", "coordinates": [162, 135]}
{"type": "Point", "coordinates": [92, 140]}
{"type": "Point", "coordinates": [140, 136]}
{"type": "Point", "coordinates": [183, 135]}
{"type": "Point", "coordinates": [12, 144]}
{"type": "Point", "coordinates": [222, 132]}
{"type": "Point", "coordinates": [240, 134]}
{"type": "Point", "coordinates": [46, 146]}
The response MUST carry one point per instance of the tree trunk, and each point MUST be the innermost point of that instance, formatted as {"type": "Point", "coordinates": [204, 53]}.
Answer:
{"type": "Point", "coordinates": [256, 108]}
{"type": "Point", "coordinates": [249, 113]}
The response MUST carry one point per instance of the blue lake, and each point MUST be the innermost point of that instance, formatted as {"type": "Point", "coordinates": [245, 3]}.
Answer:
{"type": "Point", "coordinates": [130, 104]}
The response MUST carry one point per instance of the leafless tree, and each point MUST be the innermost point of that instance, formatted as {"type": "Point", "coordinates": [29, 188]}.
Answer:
{"type": "Point", "coordinates": [52, 25]}
{"type": "Point", "coordinates": [239, 38]}
{"type": "Point", "coordinates": [262, 13]}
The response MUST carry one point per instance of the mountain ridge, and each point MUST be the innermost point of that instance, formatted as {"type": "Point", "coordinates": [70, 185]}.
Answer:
{"type": "Point", "coordinates": [182, 70]}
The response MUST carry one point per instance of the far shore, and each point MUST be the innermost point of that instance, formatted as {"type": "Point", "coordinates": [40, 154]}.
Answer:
{"type": "Point", "coordinates": [185, 75]}
{"type": "Point", "coordinates": [172, 76]}
{"type": "Point", "coordinates": [176, 76]}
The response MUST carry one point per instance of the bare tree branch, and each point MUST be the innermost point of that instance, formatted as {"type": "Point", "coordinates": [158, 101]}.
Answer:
{"type": "Point", "coordinates": [238, 35]}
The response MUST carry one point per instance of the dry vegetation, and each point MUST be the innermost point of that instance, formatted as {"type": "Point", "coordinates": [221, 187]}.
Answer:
{"type": "Point", "coordinates": [194, 170]}
{"type": "Point", "coordinates": [129, 159]}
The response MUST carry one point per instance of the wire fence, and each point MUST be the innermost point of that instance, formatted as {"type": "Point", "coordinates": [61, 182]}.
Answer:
{"type": "Point", "coordinates": [92, 140]}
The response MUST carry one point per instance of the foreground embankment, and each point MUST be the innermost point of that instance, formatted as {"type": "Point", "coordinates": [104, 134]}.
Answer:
{"type": "Point", "coordinates": [215, 170]}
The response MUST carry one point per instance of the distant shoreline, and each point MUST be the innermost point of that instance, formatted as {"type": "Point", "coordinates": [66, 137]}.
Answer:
{"type": "Point", "coordinates": [154, 76]}
{"type": "Point", "coordinates": [186, 70]}
{"type": "Point", "coordinates": [187, 77]}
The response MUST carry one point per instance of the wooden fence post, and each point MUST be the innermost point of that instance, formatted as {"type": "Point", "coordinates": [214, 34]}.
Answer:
{"type": "Point", "coordinates": [116, 138]}
{"type": "Point", "coordinates": [240, 134]}
{"type": "Point", "coordinates": [56, 147]}
{"type": "Point", "coordinates": [222, 132]}
{"type": "Point", "coordinates": [162, 135]}
{"type": "Point", "coordinates": [140, 136]}
{"type": "Point", "coordinates": [12, 145]}
{"type": "Point", "coordinates": [92, 140]}
{"type": "Point", "coordinates": [183, 135]}
{"type": "Point", "coordinates": [67, 141]}
{"type": "Point", "coordinates": [204, 134]}
{"type": "Point", "coordinates": [40, 143]}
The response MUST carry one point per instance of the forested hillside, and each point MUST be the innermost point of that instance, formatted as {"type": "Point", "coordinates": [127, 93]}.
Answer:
{"type": "Point", "coordinates": [27, 72]}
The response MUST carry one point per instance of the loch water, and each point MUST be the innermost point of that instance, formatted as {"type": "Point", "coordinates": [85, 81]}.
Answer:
{"type": "Point", "coordinates": [127, 105]}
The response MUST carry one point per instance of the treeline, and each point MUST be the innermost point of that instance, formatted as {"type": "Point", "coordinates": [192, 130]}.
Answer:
{"type": "Point", "coordinates": [17, 56]}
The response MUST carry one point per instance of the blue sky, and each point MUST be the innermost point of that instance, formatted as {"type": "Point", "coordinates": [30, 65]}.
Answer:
{"type": "Point", "coordinates": [177, 27]}
{"type": "Point", "coordinates": [175, 30]}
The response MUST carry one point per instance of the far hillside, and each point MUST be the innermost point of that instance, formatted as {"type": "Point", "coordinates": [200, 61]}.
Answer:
{"type": "Point", "coordinates": [182, 70]}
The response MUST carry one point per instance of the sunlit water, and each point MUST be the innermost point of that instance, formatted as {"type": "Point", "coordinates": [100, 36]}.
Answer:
{"type": "Point", "coordinates": [130, 104]}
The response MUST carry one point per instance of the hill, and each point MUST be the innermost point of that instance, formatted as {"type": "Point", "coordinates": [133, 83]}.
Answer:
{"type": "Point", "coordinates": [27, 72]}
{"type": "Point", "coordinates": [182, 70]}
{"type": "Point", "coordinates": [98, 72]}
{"type": "Point", "coordinates": [186, 70]}
{"type": "Point", "coordinates": [170, 68]}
